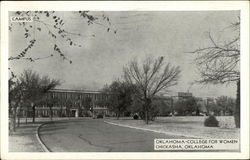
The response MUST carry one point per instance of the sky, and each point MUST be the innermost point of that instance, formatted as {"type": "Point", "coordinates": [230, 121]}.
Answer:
{"type": "Point", "coordinates": [101, 57]}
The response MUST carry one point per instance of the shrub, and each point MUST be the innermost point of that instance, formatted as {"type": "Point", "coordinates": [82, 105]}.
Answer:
{"type": "Point", "coordinates": [127, 114]}
{"type": "Point", "coordinates": [63, 115]}
{"type": "Point", "coordinates": [141, 115]}
{"type": "Point", "coordinates": [86, 114]}
{"type": "Point", "coordinates": [99, 116]}
{"type": "Point", "coordinates": [211, 121]}
{"type": "Point", "coordinates": [136, 117]}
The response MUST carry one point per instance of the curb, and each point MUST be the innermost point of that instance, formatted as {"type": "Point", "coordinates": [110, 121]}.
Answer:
{"type": "Point", "coordinates": [145, 129]}
{"type": "Point", "coordinates": [44, 147]}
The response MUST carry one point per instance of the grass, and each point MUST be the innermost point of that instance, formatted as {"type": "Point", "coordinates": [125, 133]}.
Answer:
{"type": "Point", "coordinates": [190, 126]}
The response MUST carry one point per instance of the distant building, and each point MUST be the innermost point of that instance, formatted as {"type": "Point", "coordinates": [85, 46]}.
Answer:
{"type": "Point", "coordinates": [184, 95]}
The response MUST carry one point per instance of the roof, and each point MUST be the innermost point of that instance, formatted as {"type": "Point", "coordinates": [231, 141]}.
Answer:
{"type": "Point", "coordinates": [74, 91]}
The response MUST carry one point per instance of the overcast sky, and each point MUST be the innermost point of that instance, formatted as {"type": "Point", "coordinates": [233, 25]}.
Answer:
{"type": "Point", "coordinates": [139, 34]}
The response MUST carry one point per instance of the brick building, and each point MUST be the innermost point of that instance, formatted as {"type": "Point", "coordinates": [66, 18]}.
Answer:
{"type": "Point", "coordinates": [71, 103]}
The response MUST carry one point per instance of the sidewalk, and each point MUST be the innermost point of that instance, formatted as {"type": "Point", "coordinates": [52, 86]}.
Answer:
{"type": "Point", "coordinates": [192, 127]}
{"type": "Point", "coordinates": [24, 139]}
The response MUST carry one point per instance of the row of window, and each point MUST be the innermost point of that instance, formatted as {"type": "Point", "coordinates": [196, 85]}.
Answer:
{"type": "Point", "coordinates": [63, 106]}
{"type": "Point", "coordinates": [70, 95]}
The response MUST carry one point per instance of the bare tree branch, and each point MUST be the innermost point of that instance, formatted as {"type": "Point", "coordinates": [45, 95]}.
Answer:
{"type": "Point", "coordinates": [219, 63]}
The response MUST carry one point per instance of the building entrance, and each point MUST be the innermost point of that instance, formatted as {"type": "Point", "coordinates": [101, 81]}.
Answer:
{"type": "Point", "coordinates": [74, 113]}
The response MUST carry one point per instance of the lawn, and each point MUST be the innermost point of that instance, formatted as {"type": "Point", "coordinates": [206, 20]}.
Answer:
{"type": "Point", "coordinates": [190, 126]}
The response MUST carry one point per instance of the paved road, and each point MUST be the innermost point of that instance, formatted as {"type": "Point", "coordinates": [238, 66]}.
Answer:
{"type": "Point", "coordinates": [94, 135]}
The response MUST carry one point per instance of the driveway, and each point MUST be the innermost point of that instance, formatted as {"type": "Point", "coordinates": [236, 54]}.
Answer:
{"type": "Point", "coordinates": [94, 135]}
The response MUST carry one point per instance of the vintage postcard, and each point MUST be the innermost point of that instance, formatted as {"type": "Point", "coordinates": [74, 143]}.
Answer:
{"type": "Point", "coordinates": [124, 80]}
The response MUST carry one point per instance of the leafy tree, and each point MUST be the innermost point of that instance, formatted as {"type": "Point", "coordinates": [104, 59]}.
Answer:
{"type": "Point", "coordinates": [29, 89]}
{"type": "Point", "coordinates": [191, 105]}
{"type": "Point", "coordinates": [225, 104]}
{"type": "Point", "coordinates": [51, 102]}
{"type": "Point", "coordinates": [15, 99]}
{"type": "Point", "coordinates": [179, 107]}
{"type": "Point", "coordinates": [35, 87]}
{"type": "Point", "coordinates": [69, 104]}
{"type": "Point", "coordinates": [102, 102]}
{"type": "Point", "coordinates": [88, 105]}
{"type": "Point", "coordinates": [152, 76]}
{"type": "Point", "coordinates": [78, 103]}
{"type": "Point", "coordinates": [187, 106]}
{"type": "Point", "coordinates": [219, 63]}
{"type": "Point", "coordinates": [211, 106]}
{"type": "Point", "coordinates": [163, 108]}
{"type": "Point", "coordinates": [136, 107]}
{"type": "Point", "coordinates": [159, 105]}
{"type": "Point", "coordinates": [121, 97]}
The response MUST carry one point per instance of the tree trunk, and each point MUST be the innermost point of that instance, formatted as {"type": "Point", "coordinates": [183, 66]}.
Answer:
{"type": "Point", "coordinates": [197, 111]}
{"type": "Point", "coordinates": [18, 119]}
{"type": "Point", "coordinates": [26, 116]}
{"type": "Point", "coordinates": [146, 114]}
{"type": "Point", "coordinates": [93, 112]}
{"type": "Point", "coordinates": [147, 109]}
{"type": "Point", "coordinates": [14, 120]}
{"type": "Point", "coordinates": [33, 113]}
{"type": "Point", "coordinates": [237, 107]}
{"type": "Point", "coordinates": [51, 113]}
{"type": "Point", "coordinates": [118, 116]}
{"type": "Point", "coordinates": [67, 113]}
{"type": "Point", "coordinates": [61, 112]}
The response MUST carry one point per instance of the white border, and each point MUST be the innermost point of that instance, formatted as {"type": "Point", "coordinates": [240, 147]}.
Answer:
{"type": "Point", "coordinates": [243, 6]}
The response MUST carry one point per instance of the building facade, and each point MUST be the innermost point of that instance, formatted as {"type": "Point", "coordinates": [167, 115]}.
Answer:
{"type": "Point", "coordinates": [72, 103]}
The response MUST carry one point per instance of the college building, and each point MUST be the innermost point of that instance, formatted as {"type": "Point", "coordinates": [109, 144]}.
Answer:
{"type": "Point", "coordinates": [72, 103]}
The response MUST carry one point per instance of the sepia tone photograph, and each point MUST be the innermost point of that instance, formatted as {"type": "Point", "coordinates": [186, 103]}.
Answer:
{"type": "Point", "coordinates": [124, 81]}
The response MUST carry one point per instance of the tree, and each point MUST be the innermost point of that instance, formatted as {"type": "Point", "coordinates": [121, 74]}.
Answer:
{"type": "Point", "coordinates": [187, 106]}
{"type": "Point", "coordinates": [160, 107]}
{"type": "Point", "coordinates": [88, 105]}
{"type": "Point", "coordinates": [163, 106]}
{"type": "Point", "coordinates": [15, 100]}
{"type": "Point", "coordinates": [29, 88]}
{"type": "Point", "coordinates": [69, 105]}
{"type": "Point", "coordinates": [219, 63]}
{"type": "Point", "coordinates": [191, 105]}
{"type": "Point", "coordinates": [225, 104]}
{"type": "Point", "coordinates": [211, 106]}
{"type": "Point", "coordinates": [136, 107]}
{"type": "Point", "coordinates": [151, 77]}
{"type": "Point", "coordinates": [35, 87]}
{"type": "Point", "coordinates": [51, 101]}
{"type": "Point", "coordinates": [178, 107]}
{"type": "Point", "coordinates": [120, 97]}
{"type": "Point", "coordinates": [78, 103]}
